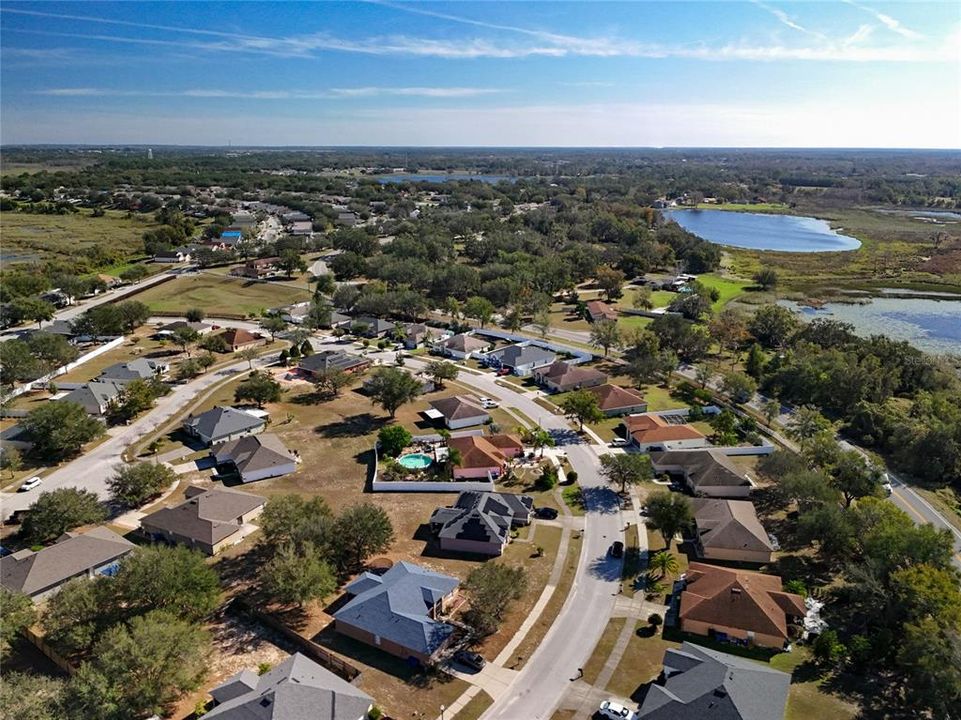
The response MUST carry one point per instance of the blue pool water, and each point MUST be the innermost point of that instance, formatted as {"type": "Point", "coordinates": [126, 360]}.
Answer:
{"type": "Point", "coordinates": [415, 461]}
{"type": "Point", "coordinates": [787, 233]}
{"type": "Point", "coordinates": [230, 234]}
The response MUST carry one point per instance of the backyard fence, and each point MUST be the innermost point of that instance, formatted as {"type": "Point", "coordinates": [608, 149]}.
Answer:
{"type": "Point", "coordinates": [63, 370]}
{"type": "Point", "coordinates": [308, 647]}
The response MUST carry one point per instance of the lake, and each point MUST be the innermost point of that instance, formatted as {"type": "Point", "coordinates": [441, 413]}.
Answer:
{"type": "Point", "coordinates": [930, 325]}
{"type": "Point", "coordinates": [786, 233]}
{"type": "Point", "coordinates": [401, 178]}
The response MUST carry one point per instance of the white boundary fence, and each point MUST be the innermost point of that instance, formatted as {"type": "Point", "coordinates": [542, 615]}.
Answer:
{"type": "Point", "coordinates": [42, 381]}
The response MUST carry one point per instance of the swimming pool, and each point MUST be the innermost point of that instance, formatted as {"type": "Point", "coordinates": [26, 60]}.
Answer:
{"type": "Point", "coordinates": [230, 234]}
{"type": "Point", "coordinates": [415, 461]}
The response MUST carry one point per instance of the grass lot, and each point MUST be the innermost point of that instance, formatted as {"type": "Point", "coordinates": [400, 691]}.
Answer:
{"type": "Point", "coordinates": [220, 296]}
{"type": "Point", "coordinates": [728, 288]}
{"type": "Point", "coordinates": [809, 698]}
{"type": "Point", "coordinates": [770, 208]}
{"type": "Point", "coordinates": [633, 322]}
{"type": "Point", "coordinates": [655, 543]}
{"type": "Point", "coordinates": [476, 707]}
{"type": "Point", "coordinates": [642, 661]}
{"type": "Point", "coordinates": [595, 663]}
{"type": "Point", "coordinates": [553, 607]}
{"type": "Point", "coordinates": [632, 559]}
{"type": "Point", "coordinates": [574, 499]}
{"type": "Point", "coordinates": [62, 236]}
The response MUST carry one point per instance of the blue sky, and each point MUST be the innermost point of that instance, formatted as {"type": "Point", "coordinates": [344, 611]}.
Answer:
{"type": "Point", "coordinates": [808, 74]}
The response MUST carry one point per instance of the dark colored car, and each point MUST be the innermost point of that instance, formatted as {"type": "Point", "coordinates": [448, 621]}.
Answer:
{"type": "Point", "coordinates": [617, 549]}
{"type": "Point", "coordinates": [545, 513]}
{"type": "Point", "coordinates": [504, 371]}
{"type": "Point", "coordinates": [471, 659]}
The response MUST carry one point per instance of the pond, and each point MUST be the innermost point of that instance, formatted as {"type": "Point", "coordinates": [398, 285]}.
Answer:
{"type": "Point", "coordinates": [404, 177]}
{"type": "Point", "coordinates": [786, 233]}
{"type": "Point", "coordinates": [930, 325]}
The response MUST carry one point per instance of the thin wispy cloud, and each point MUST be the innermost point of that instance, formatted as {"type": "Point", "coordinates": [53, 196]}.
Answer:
{"type": "Point", "coordinates": [787, 20]}
{"type": "Point", "coordinates": [328, 94]}
{"type": "Point", "coordinates": [889, 22]}
{"type": "Point", "coordinates": [546, 43]}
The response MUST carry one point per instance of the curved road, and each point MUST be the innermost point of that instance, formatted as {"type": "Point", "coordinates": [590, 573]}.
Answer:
{"type": "Point", "coordinates": [540, 685]}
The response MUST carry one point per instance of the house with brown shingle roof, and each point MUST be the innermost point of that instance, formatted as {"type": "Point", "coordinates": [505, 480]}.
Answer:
{"type": "Point", "coordinates": [238, 338]}
{"type": "Point", "coordinates": [730, 530]}
{"type": "Point", "coordinates": [562, 376]}
{"type": "Point", "coordinates": [208, 520]}
{"type": "Point", "coordinates": [651, 432]}
{"type": "Point", "coordinates": [727, 604]}
{"type": "Point", "coordinates": [599, 310]}
{"type": "Point", "coordinates": [39, 574]}
{"type": "Point", "coordinates": [458, 412]}
{"type": "Point", "coordinates": [706, 472]}
{"type": "Point", "coordinates": [614, 400]}
{"type": "Point", "coordinates": [481, 457]}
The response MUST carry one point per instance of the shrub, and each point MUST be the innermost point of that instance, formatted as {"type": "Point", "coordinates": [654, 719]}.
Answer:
{"type": "Point", "coordinates": [548, 478]}
{"type": "Point", "coordinates": [655, 619]}
{"type": "Point", "coordinates": [571, 476]}
{"type": "Point", "coordinates": [796, 586]}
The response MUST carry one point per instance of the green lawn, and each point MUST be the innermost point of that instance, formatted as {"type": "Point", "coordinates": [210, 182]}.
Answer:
{"type": "Point", "coordinates": [476, 707]}
{"type": "Point", "coordinates": [630, 322]}
{"type": "Point", "coordinates": [220, 296]}
{"type": "Point", "coordinates": [808, 699]}
{"type": "Point", "coordinates": [771, 208]}
{"type": "Point", "coordinates": [728, 288]}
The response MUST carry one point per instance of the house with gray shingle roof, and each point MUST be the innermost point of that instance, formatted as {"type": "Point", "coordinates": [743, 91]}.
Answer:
{"type": "Point", "coordinates": [297, 689]}
{"type": "Point", "coordinates": [700, 683]}
{"type": "Point", "coordinates": [139, 369]}
{"type": "Point", "coordinates": [397, 611]}
{"type": "Point", "coordinates": [208, 520]}
{"type": "Point", "coordinates": [729, 530]}
{"type": "Point", "coordinates": [328, 361]}
{"type": "Point", "coordinates": [41, 573]}
{"type": "Point", "coordinates": [522, 359]}
{"type": "Point", "coordinates": [707, 473]}
{"type": "Point", "coordinates": [256, 457]}
{"type": "Point", "coordinates": [458, 412]}
{"type": "Point", "coordinates": [222, 424]}
{"type": "Point", "coordinates": [95, 396]}
{"type": "Point", "coordinates": [480, 522]}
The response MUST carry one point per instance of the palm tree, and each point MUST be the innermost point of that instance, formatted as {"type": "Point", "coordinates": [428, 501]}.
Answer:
{"type": "Point", "coordinates": [664, 562]}
{"type": "Point", "coordinates": [538, 438]}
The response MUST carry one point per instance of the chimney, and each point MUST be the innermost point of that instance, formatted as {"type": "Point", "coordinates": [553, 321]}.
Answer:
{"type": "Point", "coordinates": [735, 592]}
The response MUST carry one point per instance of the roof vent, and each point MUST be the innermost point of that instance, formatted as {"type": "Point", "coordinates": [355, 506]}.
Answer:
{"type": "Point", "coordinates": [735, 591]}
{"type": "Point", "coordinates": [720, 692]}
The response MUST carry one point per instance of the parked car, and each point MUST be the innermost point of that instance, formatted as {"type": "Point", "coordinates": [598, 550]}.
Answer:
{"type": "Point", "coordinates": [489, 404]}
{"type": "Point", "coordinates": [30, 484]}
{"type": "Point", "coordinates": [618, 442]}
{"type": "Point", "coordinates": [545, 513]}
{"type": "Point", "coordinates": [470, 659]}
{"type": "Point", "coordinates": [615, 711]}
{"type": "Point", "coordinates": [888, 488]}
{"type": "Point", "coordinates": [504, 371]}
{"type": "Point", "coordinates": [617, 551]}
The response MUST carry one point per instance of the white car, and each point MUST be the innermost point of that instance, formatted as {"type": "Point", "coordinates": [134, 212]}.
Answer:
{"type": "Point", "coordinates": [616, 711]}
{"type": "Point", "coordinates": [30, 484]}
{"type": "Point", "coordinates": [618, 442]}
{"type": "Point", "coordinates": [888, 488]}
{"type": "Point", "coordinates": [489, 404]}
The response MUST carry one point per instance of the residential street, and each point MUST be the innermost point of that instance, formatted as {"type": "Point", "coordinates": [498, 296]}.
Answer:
{"type": "Point", "coordinates": [91, 470]}
{"type": "Point", "coordinates": [544, 679]}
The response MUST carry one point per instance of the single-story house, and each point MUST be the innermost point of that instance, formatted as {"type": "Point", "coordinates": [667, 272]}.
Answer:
{"type": "Point", "coordinates": [415, 334]}
{"type": "Point", "coordinates": [599, 310]}
{"type": "Point", "coordinates": [707, 473]}
{"type": "Point", "coordinates": [258, 268]}
{"type": "Point", "coordinates": [458, 412]}
{"type": "Point", "coordinates": [562, 376]}
{"type": "Point", "coordinates": [397, 611]}
{"type": "Point", "coordinates": [319, 364]}
{"type": "Point", "coordinates": [208, 520]}
{"type": "Point", "coordinates": [700, 683]}
{"type": "Point", "coordinates": [174, 255]}
{"type": "Point", "coordinates": [347, 219]}
{"type": "Point", "coordinates": [522, 360]}
{"type": "Point", "coordinates": [58, 298]}
{"type": "Point", "coordinates": [738, 605]}
{"type": "Point", "coordinates": [238, 338]}
{"type": "Point", "coordinates": [651, 432]}
{"type": "Point", "coordinates": [296, 689]}
{"type": "Point", "coordinates": [483, 456]}
{"type": "Point", "coordinates": [295, 313]}
{"type": "Point", "coordinates": [462, 346]}
{"type": "Point", "coordinates": [170, 328]}
{"type": "Point", "coordinates": [39, 574]}
{"type": "Point", "coordinates": [139, 369]}
{"type": "Point", "coordinates": [614, 400]}
{"type": "Point", "coordinates": [371, 327]}
{"type": "Point", "coordinates": [221, 424]}
{"type": "Point", "coordinates": [301, 227]}
{"type": "Point", "coordinates": [480, 522]}
{"type": "Point", "coordinates": [256, 457]}
{"type": "Point", "coordinates": [95, 396]}
{"type": "Point", "coordinates": [730, 530]}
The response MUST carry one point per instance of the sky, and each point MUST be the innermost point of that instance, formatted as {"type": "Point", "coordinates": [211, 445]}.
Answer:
{"type": "Point", "coordinates": [583, 74]}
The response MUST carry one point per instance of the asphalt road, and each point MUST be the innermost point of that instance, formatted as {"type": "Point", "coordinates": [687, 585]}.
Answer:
{"type": "Point", "coordinates": [540, 685]}
{"type": "Point", "coordinates": [91, 470]}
